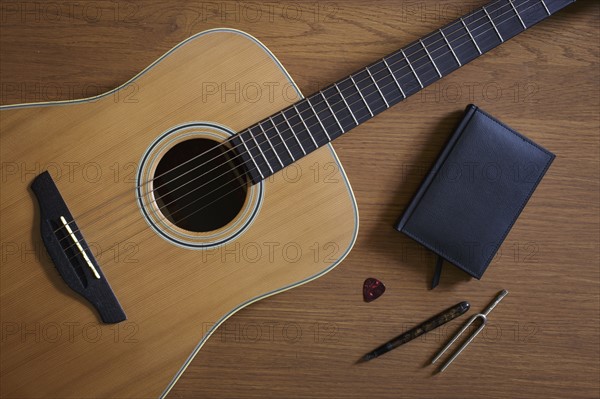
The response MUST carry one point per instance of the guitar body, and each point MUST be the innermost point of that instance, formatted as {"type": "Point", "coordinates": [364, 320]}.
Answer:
{"type": "Point", "coordinates": [293, 227]}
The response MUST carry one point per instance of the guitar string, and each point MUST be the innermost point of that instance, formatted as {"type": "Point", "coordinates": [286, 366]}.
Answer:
{"type": "Point", "coordinates": [293, 144]}
{"type": "Point", "coordinates": [292, 140]}
{"type": "Point", "coordinates": [366, 78]}
{"type": "Point", "coordinates": [284, 124]}
{"type": "Point", "coordinates": [251, 169]}
{"type": "Point", "coordinates": [245, 173]}
{"type": "Point", "coordinates": [274, 127]}
{"type": "Point", "coordinates": [321, 102]}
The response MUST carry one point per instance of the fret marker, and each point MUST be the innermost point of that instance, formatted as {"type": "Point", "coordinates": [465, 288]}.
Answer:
{"type": "Point", "coordinates": [251, 157]}
{"type": "Point", "coordinates": [282, 139]}
{"type": "Point", "coordinates": [377, 87]}
{"type": "Point", "coordinates": [472, 38]}
{"type": "Point", "coordinates": [345, 102]}
{"type": "Point", "coordinates": [493, 25]}
{"type": "Point", "coordinates": [270, 144]}
{"type": "Point", "coordinates": [431, 58]}
{"type": "Point", "coordinates": [293, 133]}
{"type": "Point", "coordinates": [361, 95]}
{"type": "Point", "coordinates": [450, 47]}
{"type": "Point", "coordinates": [411, 68]}
{"type": "Point", "coordinates": [394, 76]}
{"type": "Point", "coordinates": [76, 241]}
{"type": "Point", "coordinates": [332, 113]}
{"type": "Point", "coordinates": [518, 15]}
{"type": "Point", "coordinates": [261, 151]}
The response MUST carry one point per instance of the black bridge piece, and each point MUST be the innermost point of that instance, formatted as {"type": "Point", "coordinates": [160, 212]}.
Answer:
{"type": "Point", "coordinates": [70, 253]}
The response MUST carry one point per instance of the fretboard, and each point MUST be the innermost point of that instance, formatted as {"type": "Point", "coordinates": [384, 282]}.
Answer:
{"type": "Point", "coordinates": [289, 135]}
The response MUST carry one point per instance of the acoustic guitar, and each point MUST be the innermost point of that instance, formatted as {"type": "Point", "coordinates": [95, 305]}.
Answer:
{"type": "Point", "coordinates": [133, 226]}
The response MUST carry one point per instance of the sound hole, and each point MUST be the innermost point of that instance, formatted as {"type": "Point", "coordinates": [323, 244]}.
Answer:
{"type": "Point", "coordinates": [198, 185]}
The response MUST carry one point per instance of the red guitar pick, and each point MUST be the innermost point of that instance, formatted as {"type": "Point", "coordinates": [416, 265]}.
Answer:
{"type": "Point", "coordinates": [372, 289]}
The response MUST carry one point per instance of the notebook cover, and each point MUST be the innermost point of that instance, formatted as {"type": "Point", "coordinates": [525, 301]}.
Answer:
{"type": "Point", "coordinates": [474, 193]}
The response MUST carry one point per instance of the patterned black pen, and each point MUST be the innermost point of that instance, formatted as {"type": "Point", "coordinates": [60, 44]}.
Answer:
{"type": "Point", "coordinates": [431, 324]}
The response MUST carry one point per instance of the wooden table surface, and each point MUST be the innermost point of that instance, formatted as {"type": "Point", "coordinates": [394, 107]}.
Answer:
{"type": "Point", "coordinates": [541, 342]}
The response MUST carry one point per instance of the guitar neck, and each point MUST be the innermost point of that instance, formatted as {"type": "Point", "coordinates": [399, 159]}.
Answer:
{"type": "Point", "coordinates": [289, 135]}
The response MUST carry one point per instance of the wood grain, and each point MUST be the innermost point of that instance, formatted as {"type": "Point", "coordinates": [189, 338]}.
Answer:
{"type": "Point", "coordinates": [302, 228]}
{"type": "Point", "coordinates": [542, 341]}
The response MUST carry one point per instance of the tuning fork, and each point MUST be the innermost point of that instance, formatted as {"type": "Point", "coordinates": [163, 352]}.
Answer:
{"type": "Point", "coordinates": [483, 316]}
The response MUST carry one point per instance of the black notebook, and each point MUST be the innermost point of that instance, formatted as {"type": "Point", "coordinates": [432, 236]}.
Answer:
{"type": "Point", "coordinates": [476, 190]}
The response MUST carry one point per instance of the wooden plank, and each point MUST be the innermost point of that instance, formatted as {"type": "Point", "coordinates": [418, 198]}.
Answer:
{"type": "Point", "coordinates": [542, 341]}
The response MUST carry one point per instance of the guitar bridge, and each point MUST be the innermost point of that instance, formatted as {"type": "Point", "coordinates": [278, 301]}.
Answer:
{"type": "Point", "coordinates": [70, 253]}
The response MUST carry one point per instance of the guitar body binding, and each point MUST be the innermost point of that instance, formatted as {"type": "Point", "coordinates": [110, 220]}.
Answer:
{"type": "Point", "coordinates": [292, 228]}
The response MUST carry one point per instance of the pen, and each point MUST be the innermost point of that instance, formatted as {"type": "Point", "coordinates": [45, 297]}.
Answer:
{"type": "Point", "coordinates": [431, 324]}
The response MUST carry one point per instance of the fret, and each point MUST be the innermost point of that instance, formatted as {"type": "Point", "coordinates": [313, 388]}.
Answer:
{"type": "Point", "coordinates": [546, 8]}
{"type": "Point", "coordinates": [450, 47]}
{"type": "Point", "coordinates": [282, 139]}
{"type": "Point", "coordinates": [377, 86]}
{"type": "Point", "coordinates": [517, 12]}
{"type": "Point", "coordinates": [483, 30]}
{"type": "Point", "coordinates": [342, 115]}
{"type": "Point", "coordinates": [270, 144]}
{"type": "Point", "coordinates": [432, 61]}
{"type": "Point", "coordinates": [300, 128]}
{"type": "Point", "coordinates": [318, 119]}
{"type": "Point", "coordinates": [401, 71]}
{"type": "Point", "coordinates": [278, 145]}
{"type": "Point", "coordinates": [421, 63]}
{"type": "Point", "coordinates": [531, 14]}
{"type": "Point", "coordinates": [332, 113]}
{"type": "Point", "coordinates": [394, 76]}
{"type": "Point", "coordinates": [374, 97]}
{"type": "Point", "coordinates": [351, 94]}
{"type": "Point", "coordinates": [287, 121]}
{"type": "Point", "coordinates": [331, 129]}
{"type": "Point", "coordinates": [386, 82]}
{"type": "Point", "coordinates": [557, 5]}
{"type": "Point", "coordinates": [494, 25]}
{"type": "Point", "coordinates": [361, 96]}
{"type": "Point", "coordinates": [471, 36]}
{"type": "Point", "coordinates": [346, 103]}
{"type": "Point", "coordinates": [411, 68]}
{"type": "Point", "coordinates": [440, 53]}
{"type": "Point", "coordinates": [315, 121]}
{"type": "Point", "coordinates": [305, 126]}
{"type": "Point", "coordinates": [461, 42]}
{"type": "Point", "coordinates": [505, 20]}
{"type": "Point", "coordinates": [260, 150]}
{"type": "Point", "coordinates": [241, 137]}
